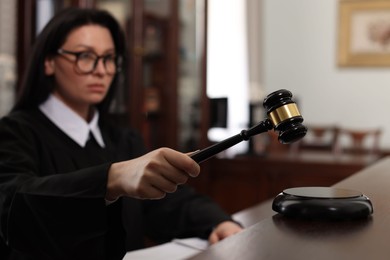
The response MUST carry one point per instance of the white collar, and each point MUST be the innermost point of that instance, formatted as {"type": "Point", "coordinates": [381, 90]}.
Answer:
{"type": "Point", "coordinates": [70, 122]}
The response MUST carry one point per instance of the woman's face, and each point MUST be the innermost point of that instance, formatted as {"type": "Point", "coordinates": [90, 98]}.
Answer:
{"type": "Point", "coordinates": [77, 89]}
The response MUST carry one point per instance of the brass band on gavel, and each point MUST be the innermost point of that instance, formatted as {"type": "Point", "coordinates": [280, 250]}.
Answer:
{"type": "Point", "coordinates": [284, 112]}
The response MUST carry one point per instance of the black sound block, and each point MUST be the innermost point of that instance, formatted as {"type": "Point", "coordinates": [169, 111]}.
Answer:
{"type": "Point", "coordinates": [322, 203]}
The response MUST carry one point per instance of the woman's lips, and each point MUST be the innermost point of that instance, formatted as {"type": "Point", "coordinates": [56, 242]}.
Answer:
{"type": "Point", "coordinates": [97, 88]}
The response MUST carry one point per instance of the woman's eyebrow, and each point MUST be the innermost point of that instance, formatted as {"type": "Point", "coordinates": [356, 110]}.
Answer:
{"type": "Point", "coordinates": [91, 48]}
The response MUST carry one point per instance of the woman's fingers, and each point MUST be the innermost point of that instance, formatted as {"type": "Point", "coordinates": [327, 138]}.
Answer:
{"type": "Point", "coordinates": [181, 161]}
{"type": "Point", "coordinates": [151, 176]}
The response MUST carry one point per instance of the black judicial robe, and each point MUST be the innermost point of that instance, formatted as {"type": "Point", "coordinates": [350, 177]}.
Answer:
{"type": "Point", "coordinates": [52, 193]}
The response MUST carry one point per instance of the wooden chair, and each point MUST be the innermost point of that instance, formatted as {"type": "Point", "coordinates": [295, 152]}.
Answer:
{"type": "Point", "coordinates": [359, 141]}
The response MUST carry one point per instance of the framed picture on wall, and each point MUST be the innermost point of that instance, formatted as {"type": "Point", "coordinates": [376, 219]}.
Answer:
{"type": "Point", "coordinates": [364, 33]}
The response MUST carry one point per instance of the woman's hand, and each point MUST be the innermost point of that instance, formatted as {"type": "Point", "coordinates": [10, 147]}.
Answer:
{"type": "Point", "coordinates": [224, 230]}
{"type": "Point", "coordinates": [150, 176]}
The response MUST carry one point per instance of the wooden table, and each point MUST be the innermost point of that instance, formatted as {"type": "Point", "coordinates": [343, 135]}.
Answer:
{"type": "Point", "coordinates": [277, 237]}
{"type": "Point", "coordinates": [245, 181]}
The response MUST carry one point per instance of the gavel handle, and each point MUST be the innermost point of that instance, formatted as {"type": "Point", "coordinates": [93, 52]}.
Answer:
{"type": "Point", "coordinates": [206, 153]}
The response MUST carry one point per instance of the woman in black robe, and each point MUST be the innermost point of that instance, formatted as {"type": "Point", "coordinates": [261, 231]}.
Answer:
{"type": "Point", "coordinates": [74, 186]}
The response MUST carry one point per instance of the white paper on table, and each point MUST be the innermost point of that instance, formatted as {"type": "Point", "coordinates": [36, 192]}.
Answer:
{"type": "Point", "coordinates": [176, 249]}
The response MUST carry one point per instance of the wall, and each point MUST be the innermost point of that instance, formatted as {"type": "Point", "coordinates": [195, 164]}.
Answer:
{"type": "Point", "coordinates": [300, 54]}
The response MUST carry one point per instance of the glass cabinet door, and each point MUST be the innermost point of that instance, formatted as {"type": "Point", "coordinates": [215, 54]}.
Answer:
{"type": "Point", "coordinates": [150, 98]}
{"type": "Point", "coordinates": [190, 76]}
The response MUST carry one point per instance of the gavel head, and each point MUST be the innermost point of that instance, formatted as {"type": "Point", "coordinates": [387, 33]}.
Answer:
{"type": "Point", "coordinates": [284, 116]}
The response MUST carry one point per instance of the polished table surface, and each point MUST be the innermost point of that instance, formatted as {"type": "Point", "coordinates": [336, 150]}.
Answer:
{"type": "Point", "coordinates": [271, 236]}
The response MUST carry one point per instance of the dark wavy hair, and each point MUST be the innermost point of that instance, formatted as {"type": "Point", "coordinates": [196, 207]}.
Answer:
{"type": "Point", "coordinates": [36, 86]}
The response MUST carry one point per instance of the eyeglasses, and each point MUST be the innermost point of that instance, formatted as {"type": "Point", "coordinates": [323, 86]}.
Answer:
{"type": "Point", "coordinates": [87, 61]}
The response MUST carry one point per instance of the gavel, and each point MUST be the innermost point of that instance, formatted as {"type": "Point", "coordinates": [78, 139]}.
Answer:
{"type": "Point", "coordinates": [282, 115]}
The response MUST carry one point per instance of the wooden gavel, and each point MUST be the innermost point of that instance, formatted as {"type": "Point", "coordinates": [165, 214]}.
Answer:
{"type": "Point", "coordinates": [282, 115]}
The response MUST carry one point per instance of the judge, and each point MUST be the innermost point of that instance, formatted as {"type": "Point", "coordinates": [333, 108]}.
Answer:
{"type": "Point", "coordinates": [75, 186]}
